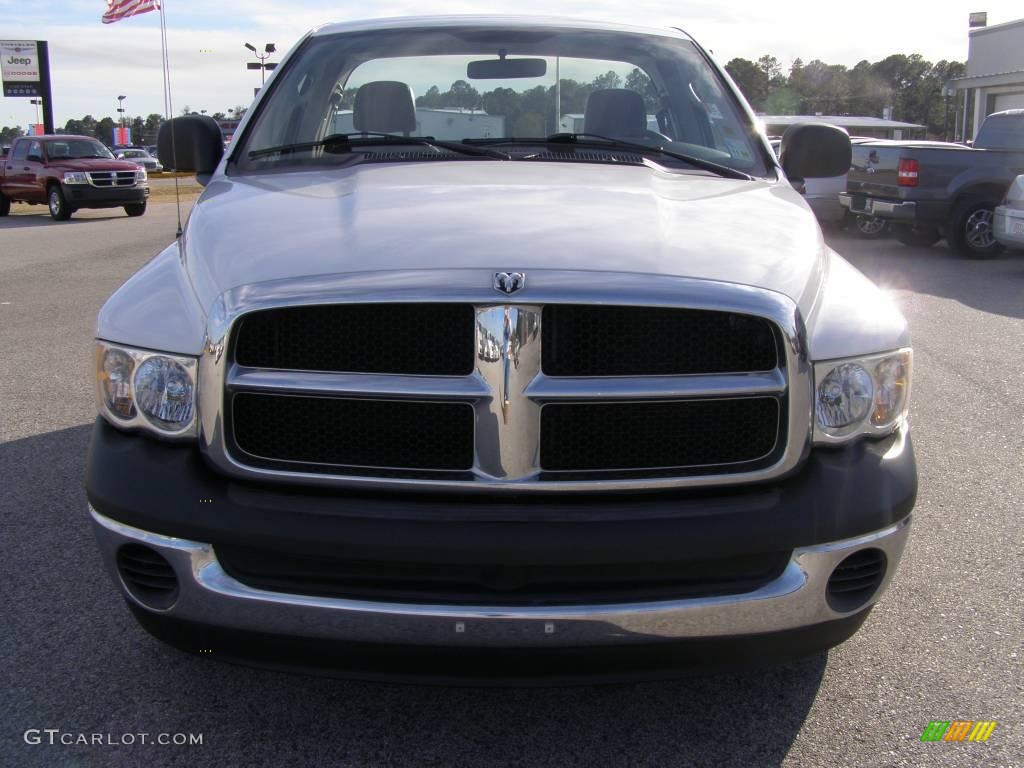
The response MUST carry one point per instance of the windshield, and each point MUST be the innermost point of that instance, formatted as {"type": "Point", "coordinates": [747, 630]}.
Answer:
{"type": "Point", "coordinates": [77, 149]}
{"type": "Point", "coordinates": [1002, 132]}
{"type": "Point", "coordinates": [490, 85]}
{"type": "Point", "coordinates": [134, 153]}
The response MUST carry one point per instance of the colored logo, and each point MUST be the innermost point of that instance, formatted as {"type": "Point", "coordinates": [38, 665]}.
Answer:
{"type": "Point", "coordinates": [958, 730]}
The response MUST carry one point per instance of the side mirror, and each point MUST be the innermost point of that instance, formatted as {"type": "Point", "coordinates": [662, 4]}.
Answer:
{"type": "Point", "coordinates": [191, 143]}
{"type": "Point", "coordinates": [815, 150]}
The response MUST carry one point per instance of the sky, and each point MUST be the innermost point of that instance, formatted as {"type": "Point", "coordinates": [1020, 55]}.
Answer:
{"type": "Point", "coordinates": [93, 63]}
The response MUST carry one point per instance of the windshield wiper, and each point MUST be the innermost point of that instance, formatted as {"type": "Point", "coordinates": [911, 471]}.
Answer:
{"type": "Point", "coordinates": [346, 141]}
{"type": "Point", "coordinates": [598, 140]}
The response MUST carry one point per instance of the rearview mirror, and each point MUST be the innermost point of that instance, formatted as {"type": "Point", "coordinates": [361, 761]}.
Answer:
{"type": "Point", "coordinates": [191, 143]}
{"type": "Point", "coordinates": [815, 150]}
{"type": "Point", "coordinates": [501, 69]}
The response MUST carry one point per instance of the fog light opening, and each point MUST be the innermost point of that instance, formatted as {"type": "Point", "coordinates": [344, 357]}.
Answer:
{"type": "Point", "coordinates": [856, 580]}
{"type": "Point", "coordinates": [147, 576]}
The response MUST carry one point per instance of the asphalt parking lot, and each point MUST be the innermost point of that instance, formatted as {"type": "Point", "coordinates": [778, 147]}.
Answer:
{"type": "Point", "coordinates": [943, 644]}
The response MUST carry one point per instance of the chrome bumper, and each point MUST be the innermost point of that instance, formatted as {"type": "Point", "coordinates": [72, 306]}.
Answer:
{"type": "Point", "coordinates": [1004, 229]}
{"type": "Point", "coordinates": [210, 596]}
{"type": "Point", "coordinates": [883, 208]}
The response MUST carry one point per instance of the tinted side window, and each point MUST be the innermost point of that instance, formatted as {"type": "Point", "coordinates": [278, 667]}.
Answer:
{"type": "Point", "coordinates": [20, 151]}
{"type": "Point", "coordinates": [1005, 132]}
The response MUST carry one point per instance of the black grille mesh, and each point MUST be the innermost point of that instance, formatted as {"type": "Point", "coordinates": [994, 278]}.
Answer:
{"type": "Point", "coordinates": [415, 339]}
{"type": "Point", "coordinates": [362, 433]}
{"type": "Point", "coordinates": [498, 583]}
{"type": "Point", "coordinates": [584, 340]}
{"type": "Point", "coordinates": [147, 575]}
{"type": "Point", "coordinates": [856, 579]}
{"type": "Point", "coordinates": [609, 436]}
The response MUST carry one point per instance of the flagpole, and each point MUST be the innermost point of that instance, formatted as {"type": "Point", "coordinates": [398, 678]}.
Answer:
{"type": "Point", "coordinates": [168, 105]}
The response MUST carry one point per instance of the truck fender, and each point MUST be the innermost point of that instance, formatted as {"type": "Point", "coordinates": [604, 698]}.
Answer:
{"type": "Point", "coordinates": [852, 316]}
{"type": "Point", "coordinates": [156, 308]}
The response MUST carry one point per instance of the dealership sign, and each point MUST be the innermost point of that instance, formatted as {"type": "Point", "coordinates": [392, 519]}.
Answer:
{"type": "Point", "coordinates": [19, 68]}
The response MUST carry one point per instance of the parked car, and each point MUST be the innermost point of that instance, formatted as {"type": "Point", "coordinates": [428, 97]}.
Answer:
{"type": "Point", "coordinates": [140, 157]}
{"type": "Point", "coordinates": [1009, 217]}
{"type": "Point", "coordinates": [67, 173]}
{"type": "Point", "coordinates": [931, 190]}
{"type": "Point", "coordinates": [396, 404]}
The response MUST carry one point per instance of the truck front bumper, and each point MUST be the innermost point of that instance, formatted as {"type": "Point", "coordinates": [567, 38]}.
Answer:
{"type": "Point", "coordinates": [208, 595]}
{"type": "Point", "coordinates": [163, 498]}
{"type": "Point", "coordinates": [86, 196]}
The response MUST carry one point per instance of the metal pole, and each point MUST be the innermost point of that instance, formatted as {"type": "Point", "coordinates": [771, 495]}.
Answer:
{"type": "Point", "coordinates": [963, 131]}
{"type": "Point", "coordinates": [44, 85]}
{"type": "Point", "coordinates": [558, 95]}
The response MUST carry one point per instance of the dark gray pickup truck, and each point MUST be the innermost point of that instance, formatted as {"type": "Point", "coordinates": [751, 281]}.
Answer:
{"type": "Point", "coordinates": [931, 190]}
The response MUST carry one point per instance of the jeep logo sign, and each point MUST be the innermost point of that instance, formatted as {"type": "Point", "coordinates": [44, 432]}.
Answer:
{"type": "Point", "coordinates": [19, 61]}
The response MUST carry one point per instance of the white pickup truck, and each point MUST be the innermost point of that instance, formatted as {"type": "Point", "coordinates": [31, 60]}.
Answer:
{"type": "Point", "coordinates": [531, 404]}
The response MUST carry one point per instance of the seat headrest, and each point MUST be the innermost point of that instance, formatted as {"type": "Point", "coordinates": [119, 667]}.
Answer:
{"type": "Point", "coordinates": [615, 112]}
{"type": "Point", "coordinates": [384, 106]}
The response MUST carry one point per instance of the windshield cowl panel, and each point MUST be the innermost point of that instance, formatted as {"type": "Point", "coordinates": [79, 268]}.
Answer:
{"type": "Point", "coordinates": [481, 86]}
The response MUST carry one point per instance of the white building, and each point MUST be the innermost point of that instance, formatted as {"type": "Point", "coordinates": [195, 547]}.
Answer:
{"type": "Point", "coordinates": [995, 73]}
{"type": "Point", "coordinates": [855, 125]}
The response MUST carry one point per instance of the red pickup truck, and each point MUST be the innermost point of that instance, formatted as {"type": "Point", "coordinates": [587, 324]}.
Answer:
{"type": "Point", "coordinates": [67, 173]}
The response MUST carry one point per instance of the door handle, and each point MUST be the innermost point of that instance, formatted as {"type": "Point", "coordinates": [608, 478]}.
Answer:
{"type": "Point", "coordinates": [26, 168]}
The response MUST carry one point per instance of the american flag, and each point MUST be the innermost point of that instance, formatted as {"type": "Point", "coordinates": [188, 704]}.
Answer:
{"type": "Point", "coordinates": [122, 9]}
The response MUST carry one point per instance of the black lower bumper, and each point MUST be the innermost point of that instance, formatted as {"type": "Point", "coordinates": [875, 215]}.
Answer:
{"type": "Point", "coordinates": [85, 196]}
{"type": "Point", "coordinates": [168, 489]}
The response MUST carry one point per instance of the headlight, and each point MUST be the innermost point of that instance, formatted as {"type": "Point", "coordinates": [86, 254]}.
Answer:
{"type": "Point", "coordinates": [76, 177]}
{"type": "Point", "coordinates": [861, 396]}
{"type": "Point", "coordinates": [151, 391]}
{"type": "Point", "coordinates": [140, 174]}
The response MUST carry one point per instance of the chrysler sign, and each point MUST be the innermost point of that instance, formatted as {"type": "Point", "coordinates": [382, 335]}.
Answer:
{"type": "Point", "coordinates": [19, 67]}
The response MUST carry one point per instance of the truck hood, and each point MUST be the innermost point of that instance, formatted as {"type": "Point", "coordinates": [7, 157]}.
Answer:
{"type": "Point", "coordinates": [502, 216]}
{"type": "Point", "coordinates": [92, 164]}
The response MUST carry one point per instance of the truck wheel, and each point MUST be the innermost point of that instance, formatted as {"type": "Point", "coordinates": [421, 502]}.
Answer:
{"type": "Point", "coordinates": [135, 209]}
{"type": "Point", "coordinates": [870, 227]}
{"type": "Point", "coordinates": [5, 204]}
{"type": "Point", "coordinates": [971, 230]}
{"type": "Point", "coordinates": [59, 208]}
{"type": "Point", "coordinates": [917, 237]}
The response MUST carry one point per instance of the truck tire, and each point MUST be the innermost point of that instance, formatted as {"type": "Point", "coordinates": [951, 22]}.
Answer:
{"type": "Point", "coordinates": [135, 209]}
{"type": "Point", "coordinates": [917, 237]}
{"type": "Point", "coordinates": [971, 233]}
{"type": "Point", "coordinates": [59, 208]}
{"type": "Point", "coordinates": [869, 227]}
{"type": "Point", "coordinates": [5, 204]}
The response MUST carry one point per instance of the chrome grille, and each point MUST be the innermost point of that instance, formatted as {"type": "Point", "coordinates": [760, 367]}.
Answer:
{"type": "Point", "coordinates": [112, 178]}
{"type": "Point", "coordinates": [520, 427]}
